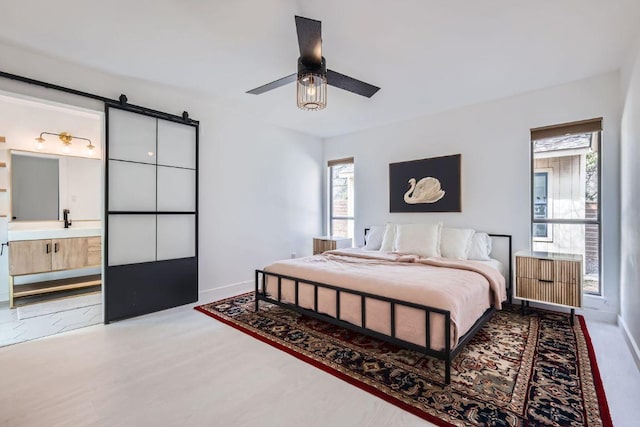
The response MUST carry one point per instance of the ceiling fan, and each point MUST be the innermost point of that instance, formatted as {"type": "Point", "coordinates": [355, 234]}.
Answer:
{"type": "Point", "coordinates": [313, 76]}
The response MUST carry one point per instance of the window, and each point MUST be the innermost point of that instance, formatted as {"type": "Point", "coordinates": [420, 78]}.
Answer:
{"type": "Point", "coordinates": [541, 202]}
{"type": "Point", "coordinates": [565, 190]}
{"type": "Point", "coordinates": [341, 198]}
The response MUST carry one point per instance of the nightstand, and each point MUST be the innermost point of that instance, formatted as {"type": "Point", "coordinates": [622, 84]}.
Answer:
{"type": "Point", "coordinates": [549, 278]}
{"type": "Point", "coordinates": [329, 243]}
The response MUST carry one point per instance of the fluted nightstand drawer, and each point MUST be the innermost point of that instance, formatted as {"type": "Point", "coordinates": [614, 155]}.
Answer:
{"type": "Point", "coordinates": [552, 292]}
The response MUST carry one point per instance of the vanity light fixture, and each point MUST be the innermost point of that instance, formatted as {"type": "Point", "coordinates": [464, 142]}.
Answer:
{"type": "Point", "coordinates": [40, 142]}
{"type": "Point", "coordinates": [89, 149]}
{"type": "Point", "coordinates": [66, 139]}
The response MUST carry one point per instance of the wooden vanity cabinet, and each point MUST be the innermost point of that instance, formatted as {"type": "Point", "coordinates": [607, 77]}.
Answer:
{"type": "Point", "coordinates": [69, 254]}
{"type": "Point", "coordinates": [46, 255]}
{"type": "Point", "coordinates": [29, 256]}
{"type": "Point", "coordinates": [41, 256]}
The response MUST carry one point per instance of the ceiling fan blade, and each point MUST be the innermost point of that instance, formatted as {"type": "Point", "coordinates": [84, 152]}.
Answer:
{"type": "Point", "coordinates": [309, 40]}
{"type": "Point", "coordinates": [273, 85]}
{"type": "Point", "coordinates": [350, 84]}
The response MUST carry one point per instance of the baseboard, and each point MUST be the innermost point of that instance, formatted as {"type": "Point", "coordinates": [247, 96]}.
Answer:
{"type": "Point", "coordinates": [633, 345]}
{"type": "Point", "coordinates": [209, 295]}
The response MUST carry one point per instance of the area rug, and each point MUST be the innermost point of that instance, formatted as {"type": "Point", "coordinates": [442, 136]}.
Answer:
{"type": "Point", "coordinates": [517, 371]}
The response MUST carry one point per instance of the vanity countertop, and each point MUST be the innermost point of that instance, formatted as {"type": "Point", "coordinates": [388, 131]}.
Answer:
{"type": "Point", "coordinates": [52, 230]}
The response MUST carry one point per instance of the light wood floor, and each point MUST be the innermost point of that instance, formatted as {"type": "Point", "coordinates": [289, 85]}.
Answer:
{"type": "Point", "coordinates": [182, 368]}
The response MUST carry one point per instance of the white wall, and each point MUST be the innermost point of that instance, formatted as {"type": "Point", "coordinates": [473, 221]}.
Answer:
{"type": "Point", "coordinates": [630, 202]}
{"type": "Point", "coordinates": [259, 196]}
{"type": "Point", "coordinates": [81, 188]}
{"type": "Point", "coordinates": [260, 185]}
{"type": "Point", "coordinates": [494, 141]}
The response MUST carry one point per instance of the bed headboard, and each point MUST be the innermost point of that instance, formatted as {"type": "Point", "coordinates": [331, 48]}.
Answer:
{"type": "Point", "coordinates": [502, 250]}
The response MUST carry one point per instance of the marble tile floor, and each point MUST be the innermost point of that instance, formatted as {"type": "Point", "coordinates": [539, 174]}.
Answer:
{"type": "Point", "coordinates": [14, 330]}
{"type": "Point", "coordinates": [179, 367]}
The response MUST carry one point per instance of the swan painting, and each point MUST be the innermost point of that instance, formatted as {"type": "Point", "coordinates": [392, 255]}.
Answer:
{"type": "Point", "coordinates": [426, 185]}
{"type": "Point", "coordinates": [427, 190]}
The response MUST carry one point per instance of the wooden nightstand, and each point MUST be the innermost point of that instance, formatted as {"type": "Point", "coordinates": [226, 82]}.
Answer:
{"type": "Point", "coordinates": [329, 243]}
{"type": "Point", "coordinates": [550, 278]}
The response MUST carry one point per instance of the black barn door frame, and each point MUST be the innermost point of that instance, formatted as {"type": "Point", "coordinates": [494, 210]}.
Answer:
{"type": "Point", "coordinates": [122, 101]}
{"type": "Point", "coordinates": [147, 287]}
{"type": "Point", "coordinates": [166, 271]}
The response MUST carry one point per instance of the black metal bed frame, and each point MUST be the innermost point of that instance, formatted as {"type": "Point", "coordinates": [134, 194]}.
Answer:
{"type": "Point", "coordinates": [448, 354]}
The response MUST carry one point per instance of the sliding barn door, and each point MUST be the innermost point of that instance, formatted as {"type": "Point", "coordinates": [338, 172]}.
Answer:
{"type": "Point", "coordinates": [151, 252]}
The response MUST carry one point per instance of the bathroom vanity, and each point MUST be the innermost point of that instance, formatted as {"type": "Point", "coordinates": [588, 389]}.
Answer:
{"type": "Point", "coordinates": [38, 251]}
{"type": "Point", "coordinates": [48, 252]}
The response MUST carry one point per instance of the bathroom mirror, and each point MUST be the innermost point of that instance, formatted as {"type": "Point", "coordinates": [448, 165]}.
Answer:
{"type": "Point", "coordinates": [43, 185]}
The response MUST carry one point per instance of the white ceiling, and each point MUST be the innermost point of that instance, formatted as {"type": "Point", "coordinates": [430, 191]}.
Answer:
{"type": "Point", "coordinates": [426, 55]}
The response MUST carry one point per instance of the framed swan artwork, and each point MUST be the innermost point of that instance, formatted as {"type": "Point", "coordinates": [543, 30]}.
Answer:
{"type": "Point", "coordinates": [425, 185]}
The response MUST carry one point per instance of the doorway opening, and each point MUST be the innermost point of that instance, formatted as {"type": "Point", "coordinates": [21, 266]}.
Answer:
{"type": "Point", "coordinates": [51, 217]}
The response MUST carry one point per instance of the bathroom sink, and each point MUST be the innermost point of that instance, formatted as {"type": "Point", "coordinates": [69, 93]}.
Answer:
{"type": "Point", "coordinates": [53, 233]}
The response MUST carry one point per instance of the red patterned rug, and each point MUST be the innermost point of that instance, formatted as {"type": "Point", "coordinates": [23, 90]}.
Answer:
{"type": "Point", "coordinates": [517, 371]}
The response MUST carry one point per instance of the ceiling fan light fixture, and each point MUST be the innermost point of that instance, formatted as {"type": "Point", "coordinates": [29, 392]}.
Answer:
{"type": "Point", "coordinates": [312, 91]}
{"type": "Point", "coordinates": [313, 76]}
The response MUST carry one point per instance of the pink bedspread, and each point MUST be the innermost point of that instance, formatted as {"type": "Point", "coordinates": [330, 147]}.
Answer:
{"type": "Point", "coordinates": [465, 288]}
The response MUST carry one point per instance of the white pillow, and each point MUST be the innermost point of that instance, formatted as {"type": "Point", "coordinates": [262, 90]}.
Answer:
{"type": "Point", "coordinates": [455, 242]}
{"type": "Point", "coordinates": [388, 238]}
{"type": "Point", "coordinates": [480, 248]}
{"type": "Point", "coordinates": [374, 237]}
{"type": "Point", "coordinates": [419, 239]}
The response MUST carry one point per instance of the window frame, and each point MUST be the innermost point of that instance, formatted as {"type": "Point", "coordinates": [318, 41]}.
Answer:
{"type": "Point", "coordinates": [597, 135]}
{"type": "Point", "coordinates": [331, 217]}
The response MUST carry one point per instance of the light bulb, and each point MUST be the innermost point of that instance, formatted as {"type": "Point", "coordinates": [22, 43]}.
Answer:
{"type": "Point", "coordinates": [66, 148]}
{"type": "Point", "coordinates": [39, 143]}
{"type": "Point", "coordinates": [89, 150]}
{"type": "Point", "coordinates": [311, 89]}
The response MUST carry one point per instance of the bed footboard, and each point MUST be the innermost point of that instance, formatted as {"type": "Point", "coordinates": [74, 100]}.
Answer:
{"type": "Point", "coordinates": [447, 354]}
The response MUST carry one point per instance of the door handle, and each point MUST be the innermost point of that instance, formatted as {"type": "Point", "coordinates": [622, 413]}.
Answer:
{"type": "Point", "coordinates": [48, 247]}
{"type": "Point", "coordinates": [55, 247]}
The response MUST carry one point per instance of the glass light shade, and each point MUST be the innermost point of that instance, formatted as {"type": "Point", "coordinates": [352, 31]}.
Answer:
{"type": "Point", "coordinates": [89, 149]}
{"type": "Point", "coordinates": [67, 147]}
{"type": "Point", "coordinates": [312, 91]}
{"type": "Point", "coordinates": [39, 143]}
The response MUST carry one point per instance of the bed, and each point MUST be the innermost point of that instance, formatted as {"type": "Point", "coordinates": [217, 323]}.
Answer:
{"type": "Point", "coordinates": [428, 304]}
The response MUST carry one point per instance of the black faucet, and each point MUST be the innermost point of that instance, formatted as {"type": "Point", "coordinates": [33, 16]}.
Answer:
{"type": "Point", "coordinates": [67, 220]}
